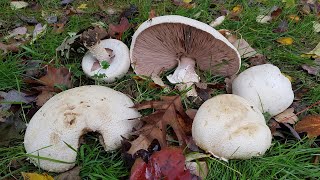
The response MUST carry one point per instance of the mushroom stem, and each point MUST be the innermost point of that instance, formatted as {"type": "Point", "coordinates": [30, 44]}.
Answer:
{"type": "Point", "coordinates": [185, 72]}
{"type": "Point", "coordinates": [100, 53]}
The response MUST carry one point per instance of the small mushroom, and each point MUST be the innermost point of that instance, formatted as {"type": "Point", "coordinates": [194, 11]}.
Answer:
{"type": "Point", "coordinates": [70, 114]}
{"type": "Point", "coordinates": [115, 56]}
{"type": "Point", "coordinates": [265, 87]}
{"type": "Point", "coordinates": [229, 127]}
{"type": "Point", "coordinates": [165, 42]}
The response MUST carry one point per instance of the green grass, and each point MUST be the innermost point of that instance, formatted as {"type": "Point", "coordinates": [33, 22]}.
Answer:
{"type": "Point", "coordinates": [285, 160]}
{"type": "Point", "coordinates": [11, 69]}
{"type": "Point", "coordinates": [289, 160]}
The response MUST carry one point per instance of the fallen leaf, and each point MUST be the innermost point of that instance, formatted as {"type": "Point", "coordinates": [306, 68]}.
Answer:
{"type": "Point", "coordinates": [130, 12]}
{"type": "Point", "coordinates": [56, 79]}
{"type": "Point", "coordinates": [10, 128]}
{"type": "Point", "coordinates": [228, 81]}
{"type": "Point", "coordinates": [13, 97]}
{"type": "Point", "coordinates": [183, 4]}
{"type": "Point", "coordinates": [263, 19]}
{"type": "Point", "coordinates": [66, 45]}
{"type": "Point", "coordinates": [18, 5]}
{"type": "Point", "coordinates": [93, 36]}
{"type": "Point", "coordinates": [273, 126]}
{"type": "Point", "coordinates": [28, 19]}
{"type": "Point", "coordinates": [312, 69]}
{"type": "Point", "coordinates": [51, 19]}
{"type": "Point", "coordinates": [287, 116]}
{"type": "Point", "coordinates": [289, 3]}
{"type": "Point", "coordinates": [169, 111]}
{"type": "Point", "coordinates": [237, 10]}
{"type": "Point", "coordinates": [168, 163]}
{"type": "Point", "coordinates": [117, 30]}
{"type": "Point", "coordinates": [58, 28]}
{"type": "Point", "coordinates": [245, 50]}
{"type": "Point", "coordinates": [203, 91]}
{"type": "Point", "coordinates": [283, 27]}
{"type": "Point", "coordinates": [294, 18]}
{"type": "Point", "coordinates": [218, 21]}
{"type": "Point", "coordinates": [9, 48]}
{"type": "Point", "coordinates": [191, 113]}
{"type": "Point", "coordinates": [316, 26]}
{"type": "Point", "coordinates": [38, 32]}
{"type": "Point", "coordinates": [36, 176]}
{"type": "Point", "coordinates": [285, 40]}
{"type": "Point", "coordinates": [309, 124]}
{"type": "Point", "coordinates": [258, 59]}
{"type": "Point", "coordinates": [43, 97]}
{"type": "Point", "coordinates": [82, 6]}
{"type": "Point", "coordinates": [152, 14]}
{"type": "Point", "coordinates": [276, 12]}
{"type": "Point", "coordinates": [199, 168]}
{"type": "Point", "coordinates": [72, 174]}
{"type": "Point", "coordinates": [65, 2]}
{"type": "Point", "coordinates": [315, 53]}
{"type": "Point", "coordinates": [17, 31]}
{"type": "Point", "coordinates": [287, 76]}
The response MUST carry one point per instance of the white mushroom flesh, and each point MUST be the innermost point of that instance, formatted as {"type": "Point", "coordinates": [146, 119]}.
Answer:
{"type": "Point", "coordinates": [266, 87]}
{"type": "Point", "coordinates": [72, 113]}
{"type": "Point", "coordinates": [119, 61]}
{"type": "Point", "coordinates": [229, 127]}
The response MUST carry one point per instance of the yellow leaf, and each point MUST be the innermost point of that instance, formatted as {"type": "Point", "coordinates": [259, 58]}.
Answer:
{"type": "Point", "coordinates": [287, 76]}
{"type": "Point", "coordinates": [187, 1]}
{"type": "Point", "coordinates": [237, 9]}
{"type": "Point", "coordinates": [294, 18]}
{"type": "Point", "coordinates": [285, 40]}
{"type": "Point", "coordinates": [35, 176]}
{"type": "Point", "coordinates": [82, 6]}
{"type": "Point", "coordinates": [289, 3]}
{"type": "Point", "coordinates": [314, 53]}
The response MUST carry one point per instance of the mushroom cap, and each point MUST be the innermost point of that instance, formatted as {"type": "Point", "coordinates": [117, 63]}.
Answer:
{"type": "Point", "coordinates": [229, 127]}
{"type": "Point", "coordinates": [160, 41]}
{"type": "Point", "coordinates": [72, 113]}
{"type": "Point", "coordinates": [265, 87]}
{"type": "Point", "coordinates": [120, 63]}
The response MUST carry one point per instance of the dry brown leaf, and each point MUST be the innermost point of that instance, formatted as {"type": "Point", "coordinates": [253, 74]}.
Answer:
{"type": "Point", "coordinates": [152, 14]}
{"type": "Point", "coordinates": [116, 31]}
{"type": "Point", "coordinates": [56, 77]}
{"type": "Point", "coordinates": [245, 50]}
{"type": "Point", "coordinates": [43, 97]}
{"type": "Point", "coordinates": [9, 48]}
{"type": "Point", "coordinates": [309, 124]}
{"type": "Point", "coordinates": [287, 116]}
{"type": "Point", "coordinates": [169, 111]}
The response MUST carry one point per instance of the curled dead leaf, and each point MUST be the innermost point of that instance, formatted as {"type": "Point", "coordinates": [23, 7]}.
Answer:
{"type": "Point", "coordinates": [287, 116]}
{"type": "Point", "coordinates": [309, 124]}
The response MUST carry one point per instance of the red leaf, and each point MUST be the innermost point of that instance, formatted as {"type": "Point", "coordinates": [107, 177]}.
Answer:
{"type": "Point", "coordinates": [117, 30]}
{"type": "Point", "coordinates": [56, 77]}
{"type": "Point", "coordinates": [169, 163]}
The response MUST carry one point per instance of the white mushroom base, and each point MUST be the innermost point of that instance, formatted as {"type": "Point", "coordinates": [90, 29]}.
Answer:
{"type": "Point", "coordinates": [119, 64]}
{"type": "Point", "coordinates": [229, 127]}
{"type": "Point", "coordinates": [72, 113]}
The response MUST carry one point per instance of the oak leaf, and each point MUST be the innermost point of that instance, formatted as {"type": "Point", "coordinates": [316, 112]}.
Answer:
{"type": "Point", "coordinates": [309, 124]}
{"type": "Point", "coordinates": [117, 30]}
{"type": "Point", "coordinates": [169, 111]}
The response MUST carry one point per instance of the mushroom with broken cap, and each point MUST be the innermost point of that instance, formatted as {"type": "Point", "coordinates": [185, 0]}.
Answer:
{"type": "Point", "coordinates": [229, 127]}
{"type": "Point", "coordinates": [70, 114]}
{"type": "Point", "coordinates": [116, 54]}
{"type": "Point", "coordinates": [266, 87]}
{"type": "Point", "coordinates": [165, 42]}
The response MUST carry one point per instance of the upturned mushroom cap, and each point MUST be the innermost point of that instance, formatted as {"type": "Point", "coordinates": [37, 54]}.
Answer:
{"type": "Point", "coordinates": [72, 113]}
{"type": "Point", "coordinates": [119, 63]}
{"type": "Point", "coordinates": [160, 41]}
{"type": "Point", "coordinates": [229, 127]}
{"type": "Point", "coordinates": [265, 87]}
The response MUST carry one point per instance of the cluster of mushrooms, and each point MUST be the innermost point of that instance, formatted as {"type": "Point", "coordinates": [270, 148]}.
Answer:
{"type": "Point", "coordinates": [228, 126]}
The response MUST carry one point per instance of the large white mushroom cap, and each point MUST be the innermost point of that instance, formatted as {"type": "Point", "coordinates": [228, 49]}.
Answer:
{"type": "Point", "coordinates": [119, 62]}
{"type": "Point", "coordinates": [72, 113]}
{"type": "Point", "coordinates": [229, 127]}
{"type": "Point", "coordinates": [265, 87]}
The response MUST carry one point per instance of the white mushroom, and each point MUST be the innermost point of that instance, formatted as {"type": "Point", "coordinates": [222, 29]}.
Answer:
{"type": "Point", "coordinates": [116, 55]}
{"type": "Point", "coordinates": [229, 127]}
{"type": "Point", "coordinates": [72, 113]}
{"type": "Point", "coordinates": [265, 87]}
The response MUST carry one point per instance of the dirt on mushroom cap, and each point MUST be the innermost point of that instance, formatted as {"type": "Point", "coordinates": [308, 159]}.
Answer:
{"type": "Point", "coordinates": [158, 47]}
